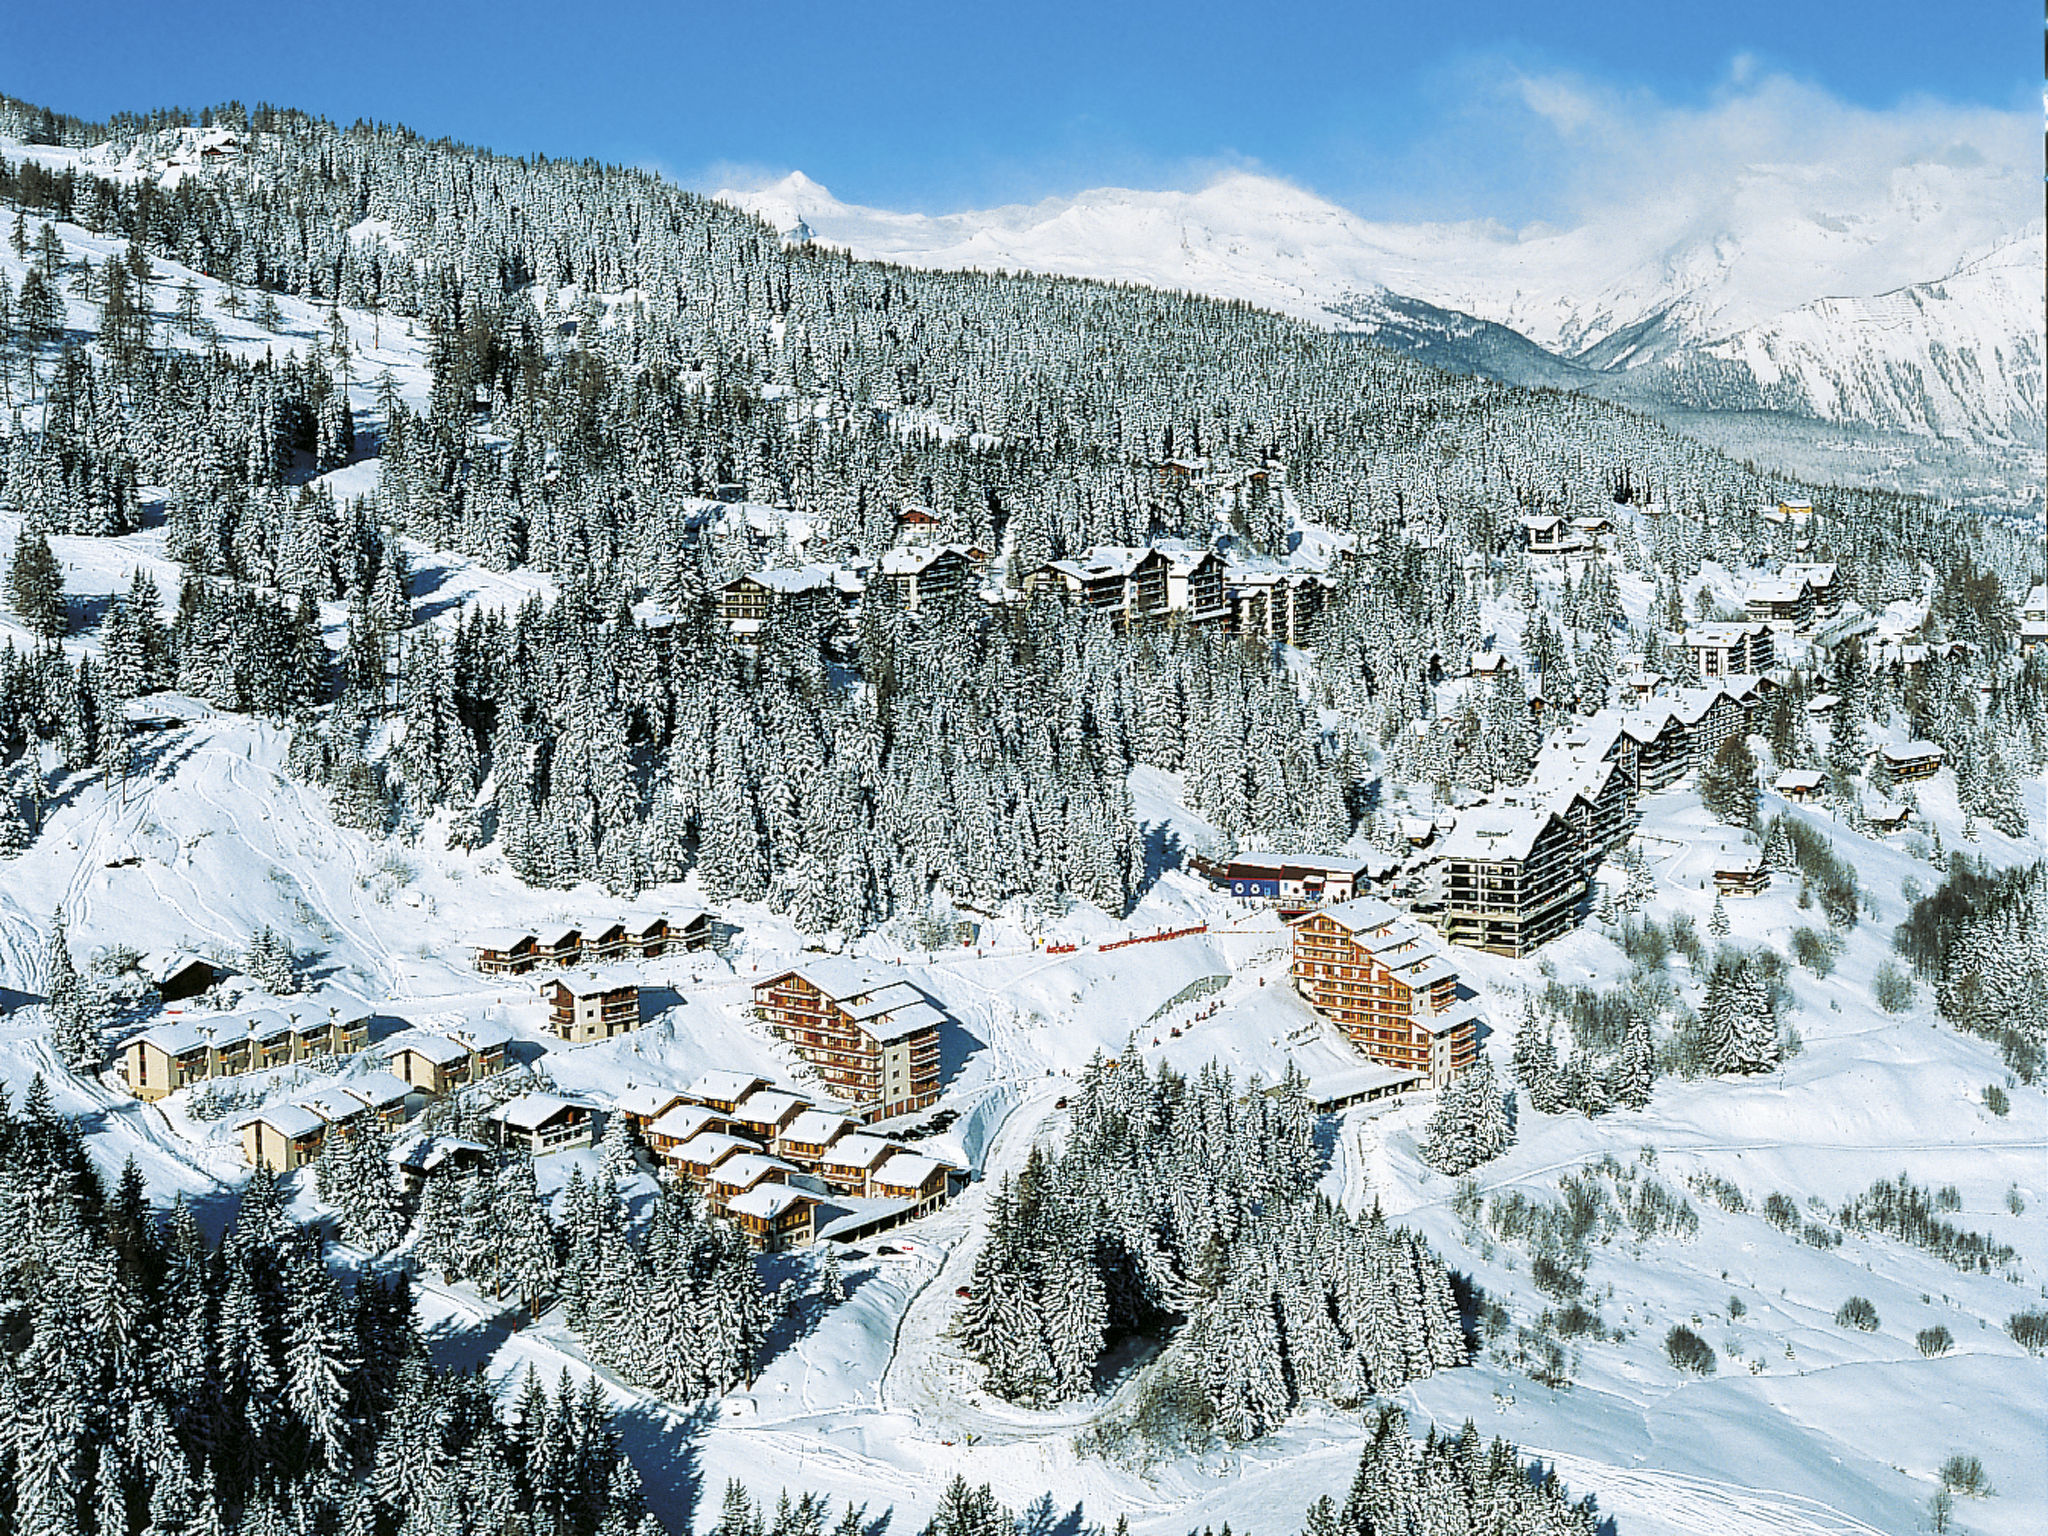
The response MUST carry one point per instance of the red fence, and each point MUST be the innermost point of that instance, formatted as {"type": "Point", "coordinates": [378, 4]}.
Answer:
{"type": "Point", "coordinates": [1152, 938]}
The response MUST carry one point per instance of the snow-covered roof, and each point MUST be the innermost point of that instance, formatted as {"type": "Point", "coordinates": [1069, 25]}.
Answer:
{"type": "Point", "coordinates": [291, 1120]}
{"type": "Point", "coordinates": [1361, 913]}
{"type": "Point", "coordinates": [1722, 634]}
{"type": "Point", "coordinates": [430, 1152]}
{"type": "Point", "coordinates": [481, 1034]}
{"type": "Point", "coordinates": [1465, 1011]}
{"type": "Point", "coordinates": [792, 580]}
{"type": "Point", "coordinates": [531, 1111]}
{"type": "Point", "coordinates": [636, 1100]}
{"type": "Point", "coordinates": [1913, 750]}
{"type": "Point", "coordinates": [438, 1049]}
{"type": "Point", "coordinates": [816, 1127]}
{"type": "Point", "coordinates": [1497, 832]}
{"type": "Point", "coordinates": [907, 1170]}
{"type": "Point", "coordinates": [765, 1202]}
{"type": "Point", "coordinates": [726, 1087]}
{"type": "Point", "coordinates": [711, 1148]}
{"type": "Point", "coordinates": [176, 1037]}
{"type": "Point", "coordinates": [1355, 1082]}
{"type": "Point", "coordinates": [379, 1090]}
{"type": "Point", "coordinates": [1799, 778]}
{"type": "Point", "coordinates": [749, 1168]}
{"type": "Point", "coordinates": [768, 1105]}
{"type": "Point", "coordinates": [271, 1024]}
{"type": "Point", "coordinates": [331, 1104]}
{"type": "Point", "coordinates": [682, 1121]}
{"type": "Point", "coordinates": [160, 966]}
{"type": "Point", "coordinates": [498, 939]}
{"type": "Point", "coordinates": [595, 982]}
{"type": "Point", "coordinates": [859, 1151]}
{"type": "Point", "coordinates": [1776, 591]}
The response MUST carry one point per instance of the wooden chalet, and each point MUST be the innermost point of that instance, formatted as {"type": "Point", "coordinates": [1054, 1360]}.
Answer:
{"type": "Point", "coordinates": [872, 1036]}
{"type": "Point", "coordinates": [922, 1181]}
{"type": "Point", "coordinates": [1748, 875]}
{"type": "Point", "coordinates": [540, 1123]}
{"type": "Point", "coordinates": [1389, 987]}
{"type": "Point", "coordinates": [775, 1217]}
{"type": "Point", "coordinates": [282, 1137]}
{"type": "Point", "coordinates": [592, 1005]}
{"type": "Point", "coordinates": [1915, 760]}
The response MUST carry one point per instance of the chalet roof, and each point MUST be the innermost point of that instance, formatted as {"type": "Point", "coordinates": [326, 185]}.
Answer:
{"type": "Point", "coordinates": [1821, 703]}
{"type": "Point", "coordinates": [1878, 808]}
{"type": "Point", "coordinates": [874, 997]}
{"type": "Point", "coordinates": [816, 1127]}
{"type": "Point", "coordinates": [554, 935]}
{"type": "Point", "coordinates": [1692, 705]}
{"type": "Point", "coordinates": [636, 1100]}
{"type": "Point", "coordinates": [596, 982]}
{"type": "Point", "coordinates": [914, 559]}
{"type": "Point", "coordinates": [1738, 864]}
{"type": "Point", "coordinates": [1799, 778]}
{"type": "Point", "coordinates": [531, 1111]}
{"type": "Point", "coordinates": [1498, 832]}
{"type": "Point", "coordinates": [379, 1090]}
{"type": "Point", "coordinates": [1912, 751]}
{"type": "Point", "coordinates": [430, 1152]}
{"type": "Point", "coordinates": [712, 1148]}
{"type": "Point", "coordinates": [161, 966]}
{"type": "Point", "coordinates": [1816, 574]}
{"type": "Point", "coordinates": [438, 1049]}
{"type": "Point", "coordinates": [271, 1024]}
{"type": "Point", "coordinates": [769, 1105]}
{"type": "Point", "coordinates": [859, 1151]}
{"type": "Point", "coordinates": [907, 1170]}
{"type": "Point", "coordinates": [176, 1038]}
{"type": "Point", "coordinates": [331, 1104]}
{"type": "Point", "coordinates": [765, 1202]}
{"type": "Point", "coordinates": [498, 939]}
{"type": "Point", "coordinates": [789, 581]}
{"type": "Point", "coordinates": [749, 1168]}
{"type": "Point", "coordinates": [480, 1034]}
{"type": "Point", "coordinates": [1362, 913]}
{"type": "Point", "coordinates": [682, 1121]}
{"type": "Point", "coordinates": [288, 1120]}
{"type": "Point", "coordinates": [1776, 591]}
{"type": "Point", "coordinates": [726, 1087]}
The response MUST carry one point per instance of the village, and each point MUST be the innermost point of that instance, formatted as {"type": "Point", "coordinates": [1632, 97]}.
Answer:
{"type": "Point", "coordinates": [1372, 940]}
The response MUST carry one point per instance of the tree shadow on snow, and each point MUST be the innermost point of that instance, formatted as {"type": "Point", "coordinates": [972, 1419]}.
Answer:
{"type": "Point", "coordinates": [1163, 851]}
{"type": "Point", "coordinates": [1042, 1517]}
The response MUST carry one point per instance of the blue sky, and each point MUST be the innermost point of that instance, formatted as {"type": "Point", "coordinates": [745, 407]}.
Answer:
{"type": "Point", "coordinates": [1420, 108]}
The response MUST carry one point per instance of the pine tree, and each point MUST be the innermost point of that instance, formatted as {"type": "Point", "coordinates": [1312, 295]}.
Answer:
{"type": "Point", "coordinates": [35, 585]}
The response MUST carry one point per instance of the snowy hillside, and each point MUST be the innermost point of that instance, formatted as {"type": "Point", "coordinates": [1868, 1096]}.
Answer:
{"type": "Point", "coordinates": [1753, 288]}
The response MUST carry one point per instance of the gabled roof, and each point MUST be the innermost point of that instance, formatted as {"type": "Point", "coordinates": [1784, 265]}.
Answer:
{"type": "Point", "coordinates": [765, 1202]}
{"type": "Point", "coordinates": [1723, 633]}
{"type": "Point", "coordinates": [749, 1168]}
{"type": "Point", "coordinates": [816, 1127]}
{"type": "Point", "coordinates": [594, 983]}
{"type": "Point", "coordinates": [531, 1111]}
{"type": "Point", "coordinates": [1799, 778]}
{"type": "Point", "coordinates": [713, 1147]}
{"type": "Point", "coordinates": [1361, 913]}
{"type": "Point", "coordinates": [290, 1120]}
{"type": "Point", "coordinates": [726, 1087]}
{"type": "Point", "coordinates": [683, 1121]}
{"type": "Point", "coordinates": [907, 1170]}
{"type": "Point", "coordinates": [379, 1090]}
{"type": "Point", "coordinates": [635, 1100]}
{"type": "Point", "coordinates": [859, 1151]}
{"type": "Point", "coordinates": [498, 939]}
{"type": "Point", "coordinates": [438, 1049]}
{"type": "Point", "coordinates": [331, 1104]}
{"type": "Point", "coordinates": [1498, 832]}
{"type": "Point", "coordinates": [768, 1105]}
{"type": "Point", "coordinates": [480, 1034]}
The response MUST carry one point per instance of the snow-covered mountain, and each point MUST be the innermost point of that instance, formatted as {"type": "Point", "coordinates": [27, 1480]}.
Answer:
{"type": "Point", "coordinates": [1918, 308]}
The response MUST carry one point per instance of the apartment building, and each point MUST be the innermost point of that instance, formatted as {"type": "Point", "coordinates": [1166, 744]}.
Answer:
{"type": "Point", "coordinates": [1515, 878]}
{"type": "Point", "coordinates": [873, 1037]}
{"type": "Point", "coordinates": [1389, 986]}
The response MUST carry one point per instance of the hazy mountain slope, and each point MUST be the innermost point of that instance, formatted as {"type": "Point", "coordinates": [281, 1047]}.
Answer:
{"type": "Point", "coordinates": [1959, 357]}
{"type": "Point", "coordinates": [1786, 293]}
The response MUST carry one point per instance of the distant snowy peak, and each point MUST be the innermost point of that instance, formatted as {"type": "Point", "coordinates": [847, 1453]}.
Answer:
{"type": "Point", "coordinates": [1961, 356]}
{"type": "Point", "coordinates": [1784, 295]}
